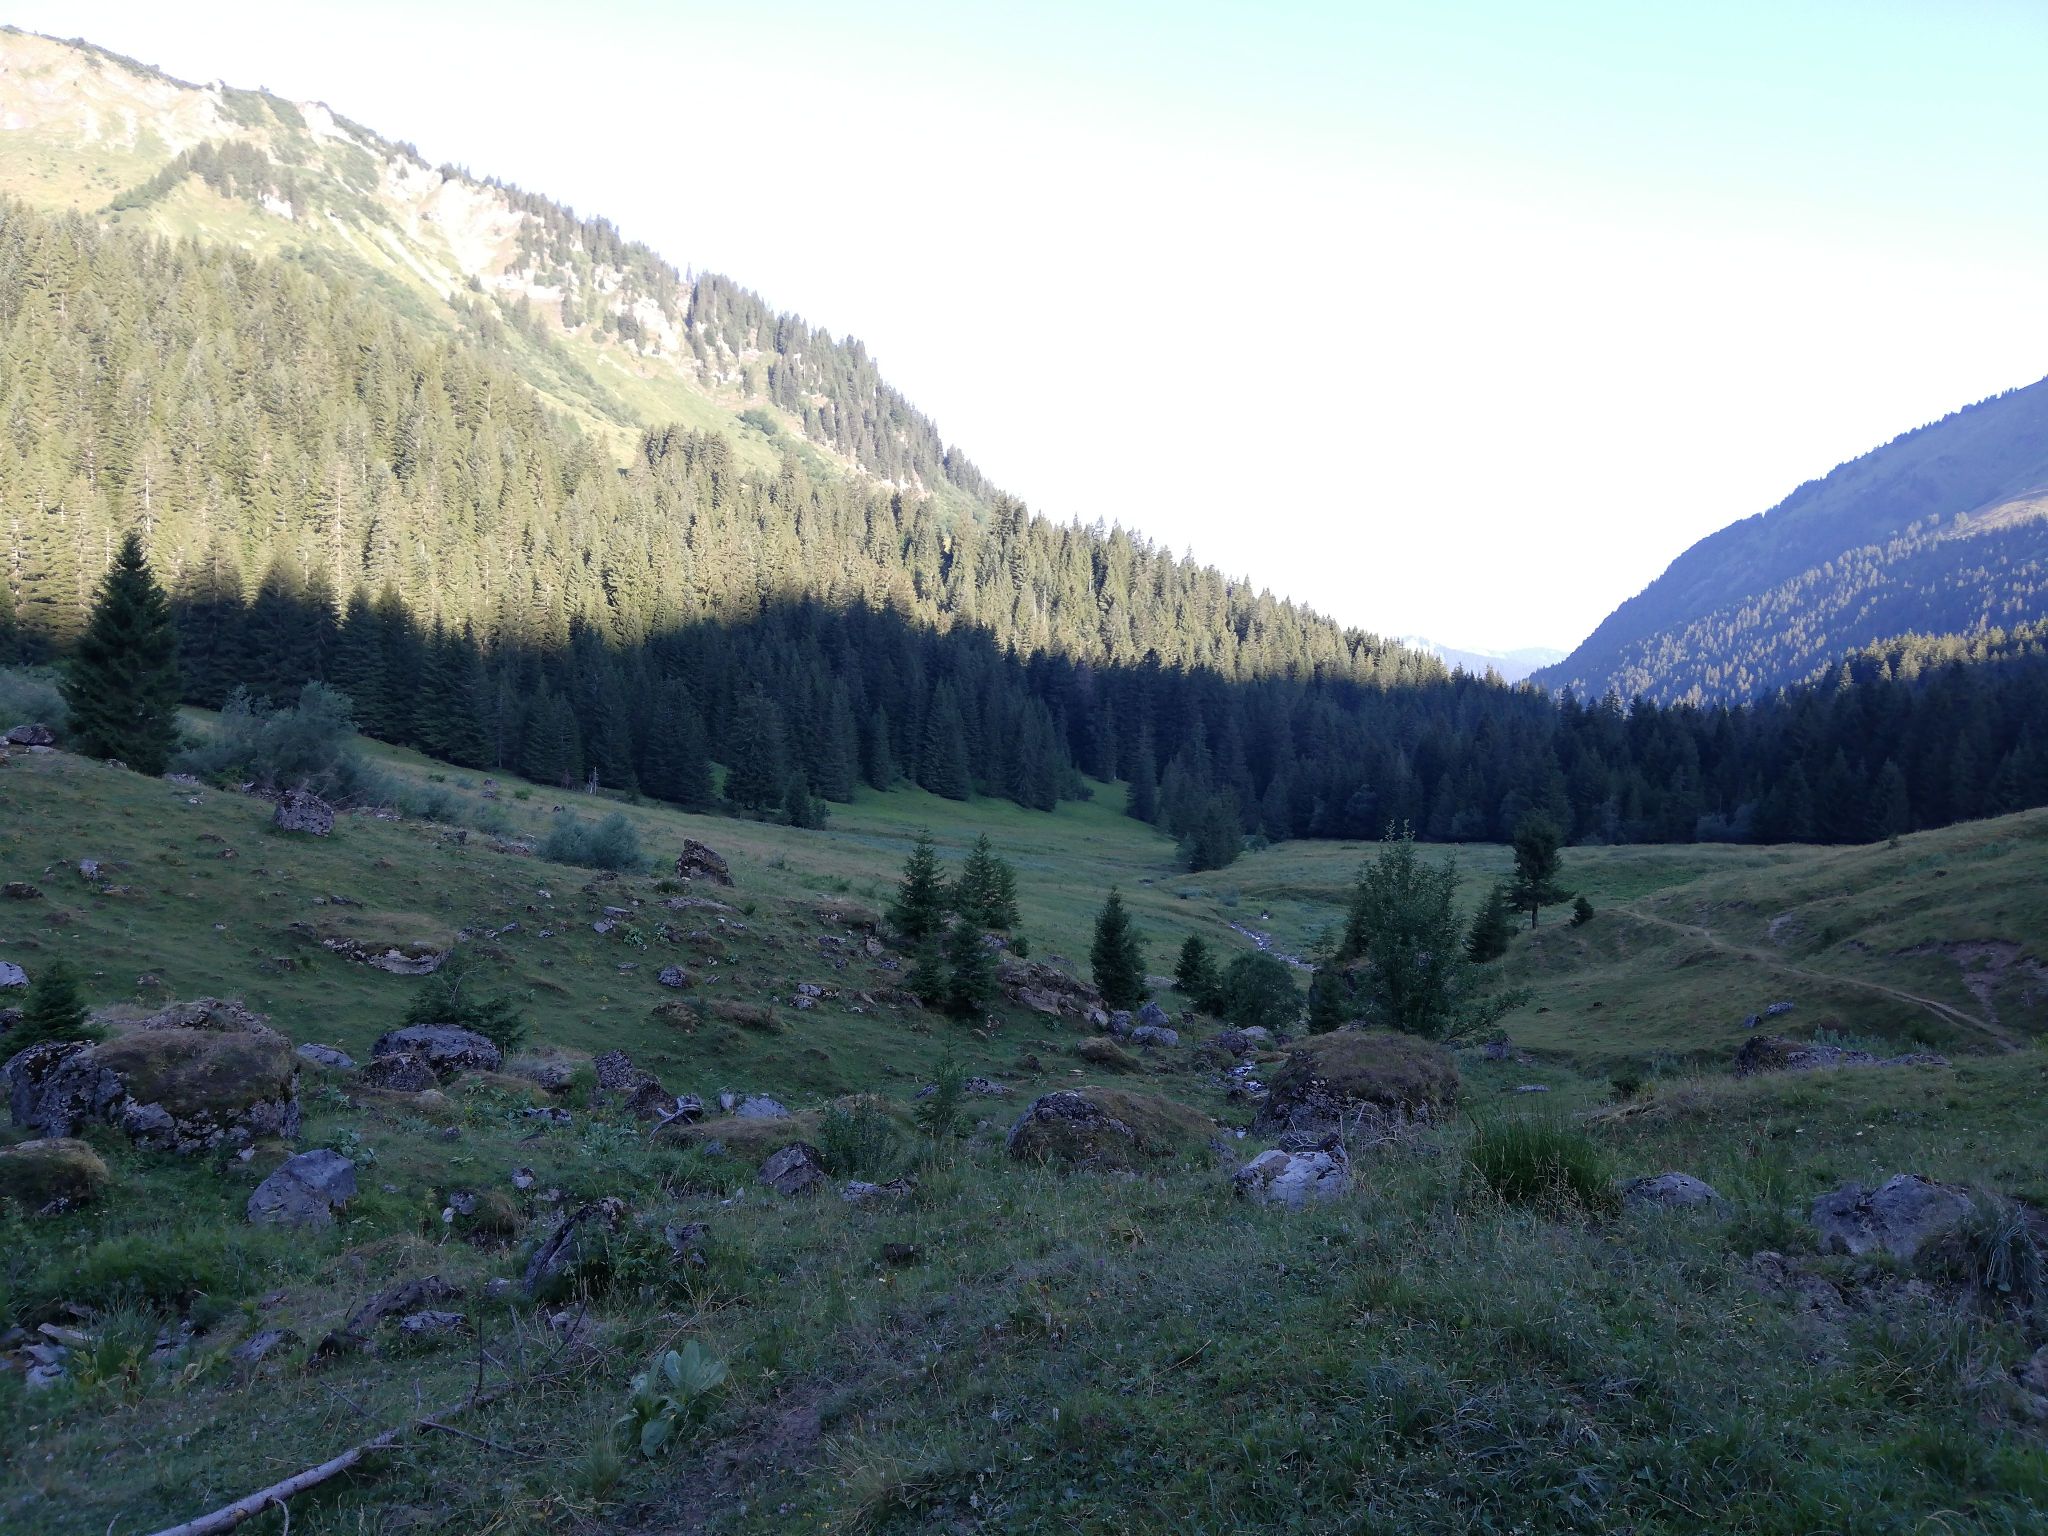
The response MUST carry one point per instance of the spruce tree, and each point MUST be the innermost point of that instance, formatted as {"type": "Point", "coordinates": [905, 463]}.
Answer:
{"type": "Point", "coordinates": [1115, 957]}
{"type": "Point", "coordinates": [1582, 911]}
{"type": "Point", "coordinates": [942, 766]}
{"type": "Point", "coordinates": [1493, 925]}
{"type": "Point", "coordinates": [799, 807]}
{"type": "Point", "coordinates": [122, 685]}
{"type": "Point", "coordinates": [53, 1011]}
{"type": "Point", "coordinates": [1537, 866]}
{"type": "Point", "coordinates": [757, 759]}
{"type": "Point", "coordinates": [970, 972]}
{"type": "Point", "coordinates": [918, 914]}
{"type": "Point", "coordinates": [1329, 999]}
{"type": "Point", "coordinates": [1195, 973]}
{"type": "Point", "coordinates": [985, 894]}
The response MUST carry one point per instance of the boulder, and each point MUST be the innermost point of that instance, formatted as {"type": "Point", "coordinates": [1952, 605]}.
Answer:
{"type": "Point", "coordinates": [1352, 1077]}
{"type": "Point", "coordinates": [21, 890]}
{"type": "Point", "coordinates": [576, 1240]}
{"type": "Point", "coordinates": [1154, 1034]}
{"type": "Point", "coordinates": [1045, 988]}
{"type": "Point", "coordinates": [448, 1050]}
{"type": "Point", "coordinates": [1772, 1274]}
{"type": "Point", "coordinates": [758, 1106]}
{"type": "Point", "coordinates": [640, 1092]}
{"type": "Point", "coordinates": [12, 975]}
{"type": "Point", "coordinates": [191, 1077]}
{"type": "Point", "coordinates": [796, 1169]}
{"type": "Point", "coordinates": [305, 1192]}
{"type": "Point", "coordinates": [326, 1056]}
{"type": "Point", "coordinates": [1499, 1049]}
{"type": "Point", "coordinates": [1774, 1053]}
{"type": "Point", "coordinates": [1242, 1042]}
{"type": "Point", "coordinates": [303, 811]}
{"type": "Point", "coordinates": [37, 735]}
{"type": "Point", "coordinates": [1901, 1216]}
{"type": "Point", "coordinates": [1105, 1052]}
{"type": "Point", "coordinates": [860, 1192]}
{"type": "Point", "coordinates": [431, 1321]}
{"type": "Point", "coordinates": [412, 959]}
{"type": "Point", "coordinates": [50, 1175]}
{"type": "Point", "coordinates": [1296, 1178]}
{"type": "Point", "coordinates": [403, 1072]}
{"type": "Point", "coordinates": [1669, 1191]}
{"type": "Point", "coordinates": [1121, 1022]}
{"type": "Point", "coordinates": [697, 862]}
{"type": "Point", "coordinates": [1154, 1015]}
{"type": "Point", "coordinates": [675, 976]}
{"type": "Point", "coordinates": [1104, 1128]}
{"type": "Point", "coordinates": [547, 1072]}
{"type": "Point", "coordinates": [259, 1347]}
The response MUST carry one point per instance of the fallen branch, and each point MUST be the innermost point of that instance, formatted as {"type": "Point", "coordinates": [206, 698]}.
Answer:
{"type": "Point", "coordinates": [228, 1516]}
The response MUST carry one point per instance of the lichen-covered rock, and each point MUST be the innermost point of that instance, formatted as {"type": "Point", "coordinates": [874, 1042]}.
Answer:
{"type": "Point", "coordinates": [1105, 1128]}
{"type": "Point", "coordinates": [448, 1050]}
{"type": "Point", "coordinates": [1151, 1013]}
{"type": "Point", "coordinates": [326, 1056]}
{"type": "Point", "coordinates": [796, 1169]}
{"type": "Point", "coordinates": [1352, 1077]}
{"type": "Point", "coordinates": [675, 976]}
{"type": "Point", "coordinates": [304, 1192]}
{"type": "Point", "coordinates": [1105, 1052]}
{"type": "Point", "coordinates": [861, 1192]}
{"type": "Point", "coordinates": [1902, 1216]}
{"type": "Point", "coordinates": [697, 862]}
{"type": "Point", "coordinates": [50, 1175]}
{"type": "Point", "coordinates": [191, 1077]}
{"type": "Point", "coordinates": [1669, 1191]}
{"type": "Point", "coordinates": [403, 1072]}
{"type": "Point", "coordinates": [12, 975]}
{"type": "Point", "coordinates": [1295, 1178]}
{"type": "Point", "coordinates": [1045, 988]}
{"type": "Point", "coordinates": [758, 1106]}
{"type": "Point", "coordinates": [411, 959]}
{"type": "Point", "coordinates": [303, 811]}
{"type": "Point", "coordinates": [1154, 1034]}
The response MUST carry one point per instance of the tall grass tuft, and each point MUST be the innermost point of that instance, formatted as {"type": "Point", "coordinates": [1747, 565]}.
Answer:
{"type": "Point", "coordinates": [1541, 1160]}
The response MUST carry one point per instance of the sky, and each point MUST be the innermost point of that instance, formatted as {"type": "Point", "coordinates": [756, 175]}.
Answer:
{"type": "Point", "coordinates": [1457, 319]}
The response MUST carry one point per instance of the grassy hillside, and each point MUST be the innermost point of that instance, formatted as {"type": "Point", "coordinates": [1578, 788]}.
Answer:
{"type": "Point", "coordinates": [1015, 1348]}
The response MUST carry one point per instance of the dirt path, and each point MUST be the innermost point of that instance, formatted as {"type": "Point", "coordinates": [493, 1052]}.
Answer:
{"type": "Point", "coordinates": [1998, 1033]}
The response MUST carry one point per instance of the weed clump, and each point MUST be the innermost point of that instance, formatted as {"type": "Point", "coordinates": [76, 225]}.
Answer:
{"type": "Point", "coordinates": [1542, 1161]}
{"type": "Point", "coordinates": [608, 844]}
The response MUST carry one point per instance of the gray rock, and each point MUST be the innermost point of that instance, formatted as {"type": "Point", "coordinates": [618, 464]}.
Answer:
{"type": "Point", "coordinates": [36, 735]}
{"type": "Point", "coordinates": [443, 1047]}
{"type": "Point", "coordinates": [795, 1170]}
{"type": "Point", "coordinates": [1154, 1034]}
{"type": "Point", "coordinates": [1669, 1191]}
{"type": "Point", "coordinates": [326, 1056]}
{"type": "Point", "coordinates": [674, 976]}
{"type": "Point", "coordinates": [1154, 1015]}
{"type": "Point", "coordinates": [425, 1324]}
{"type": "Point", "coordinates": [403, 1073]}
{"type": "Point", "coordinates": [260, 1346]}
{"type": "Point", "coordinates": [21, 890]}
{"type": "Point", "coordinates": [1901, 1216]}
{"type": "Point", "coordinates": [305, 1191]}
{"type": "Point", "coordinates": [1497, 1050]}
{"type": "Point", "coordinates": [1775, 1275]}
{"type": "Point", "coordinates": [12, 975]}
{"type": "Point", "coordinates": [860, 1192]}
{"type": "Point", "coordinates": [303, 811]}
{"type": "Point", "coordinates": [1120, 1022]}
{"type": "Point", "coordinates": [1532, 1087]}
{"type": "Point", "coordinates": [758, 1106]}
{"type": "Point", "coordinates": [697, 862]}
{"type": "Point", "coordinates": [1296, 1178]}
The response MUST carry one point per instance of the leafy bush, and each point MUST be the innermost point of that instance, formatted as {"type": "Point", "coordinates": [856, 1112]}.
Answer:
{"type": "Point", "coordinates": [610, 844]}
{"type": "Point", "coordinates": [938, 1112]}
{"type": "Point", "coordinates": [670, 1396]}
{"type": "Point", "coordinates": [1540, 1161]}
{"type": "Point", "coordinates": [1582, 911]}
{"type": "Point", "coordinates": [1258, 989]}
{"type": "Point", "coordinates": [310, 744]}
{"type": "Point", "coordinates": [859, 1140]}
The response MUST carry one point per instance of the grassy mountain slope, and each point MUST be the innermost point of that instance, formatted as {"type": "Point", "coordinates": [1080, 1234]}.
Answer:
{"type": "Point", "coordinates": [1054, 1341]}
{"type": "Point", "coordinates": [1943, 530]}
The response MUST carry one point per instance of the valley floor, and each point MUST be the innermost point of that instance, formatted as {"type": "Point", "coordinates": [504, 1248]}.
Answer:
{"type": "Point", "coordinates": [1010, 1347]}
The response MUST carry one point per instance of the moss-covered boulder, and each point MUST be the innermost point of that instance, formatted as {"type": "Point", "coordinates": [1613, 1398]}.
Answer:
{"type": "Point", "coordinates": [194, 1076]}
{"type": "Point", "coordinates": [1105, 1052]}
{"type": "Point", "coordinates": [50, 1175]}
{"type": "Point", "coordinates": [1355, 1077]}
{"type": "Point", "coordinates": [1098, 1127]}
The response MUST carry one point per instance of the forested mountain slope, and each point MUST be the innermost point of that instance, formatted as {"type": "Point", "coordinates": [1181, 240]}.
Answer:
{"type": "Point", "coordinates": [1941, 531]}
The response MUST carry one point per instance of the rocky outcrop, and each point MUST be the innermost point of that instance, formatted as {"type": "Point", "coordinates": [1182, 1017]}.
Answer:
{"type": "Point", "coordinates": [402, 1072]}
{"type": "Point", "coordinates": [50, 1175]}
{"type": "Point", "coordinates": [36, 735]}
{"type": "Point", "coordinates": [1295, 1177]}
{"type": "Point", "coordinates": [192, 1077]}
{"type": "Point", "coordinates": [1361, 1079]}
{"type": "Point", "coordinates": [326, 1056]}
{"type": "Point", "coordinates": [446, 1050]}
{"type": "Point", "coordinates": [417, 959]}
{"type": "Point", "coordinates": [303, 811]}
{"type": "Point", "coordinates": [1046, 988]}
{"type": "Point", "coordinates": [638, 1091]}
{"type": "Point", "coordinates": [697, 862]}
{"type": "Point", "coordinates": [1104, 1128]}
{"type": "Point", "coordinates": [676, 977]}
{"type": "Point", "coordinates": [1902, 1216]}
{"type": "Point", "coordinates": [305, 1192]}
{"type": "Point", "coordinates": [1774, 1053]}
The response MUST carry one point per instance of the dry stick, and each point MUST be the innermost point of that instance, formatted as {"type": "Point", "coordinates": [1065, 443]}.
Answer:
{"type": "Point", "coordinates": [228, 1516]}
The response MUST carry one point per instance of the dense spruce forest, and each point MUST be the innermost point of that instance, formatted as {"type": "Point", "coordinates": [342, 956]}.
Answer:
{"type": "Point", "coordinates": [331, 492]}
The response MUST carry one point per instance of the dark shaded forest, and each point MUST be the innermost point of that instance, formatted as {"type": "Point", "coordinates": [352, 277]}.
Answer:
{"type": "Point", "coordinates": [331, 492]}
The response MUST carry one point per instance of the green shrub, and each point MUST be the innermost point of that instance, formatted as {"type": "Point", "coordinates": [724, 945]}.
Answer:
{"type": "Point", "coordinates": [451, 996]}
{"type": "Point", "coordinates": [1999, 1252]}
{"type": "Point", "coordinates": [309, 744]}
{"type": "Point", "coordinates": [859, 1140]}
{"type": "Point", "coordinates": [1542, 1161]}
{"type": "Point", "coordinates": [610, 844]}
{"type": "Point", "coordinates": [30, 698]}
{"type": "Point", "coordinates": [938, 1113]}
{"type": "Point", "coordinates": [1258, 990]}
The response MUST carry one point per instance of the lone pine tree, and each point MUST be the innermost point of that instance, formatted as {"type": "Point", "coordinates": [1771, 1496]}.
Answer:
{"type": "Point", "coordinates": [1115, 957]}
{"type": "Point", "coordinates": [918, 914]}
{"type": "Point", "coordinates": [122, 684]}
{"type": "Point", "coordinates": [985, 894]}
{"type": "Point", "coordinates": [1537, 866]}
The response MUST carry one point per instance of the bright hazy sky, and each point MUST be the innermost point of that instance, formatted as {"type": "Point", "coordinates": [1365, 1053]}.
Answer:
{"type": "Point", "coordinates": [1459, 319]}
